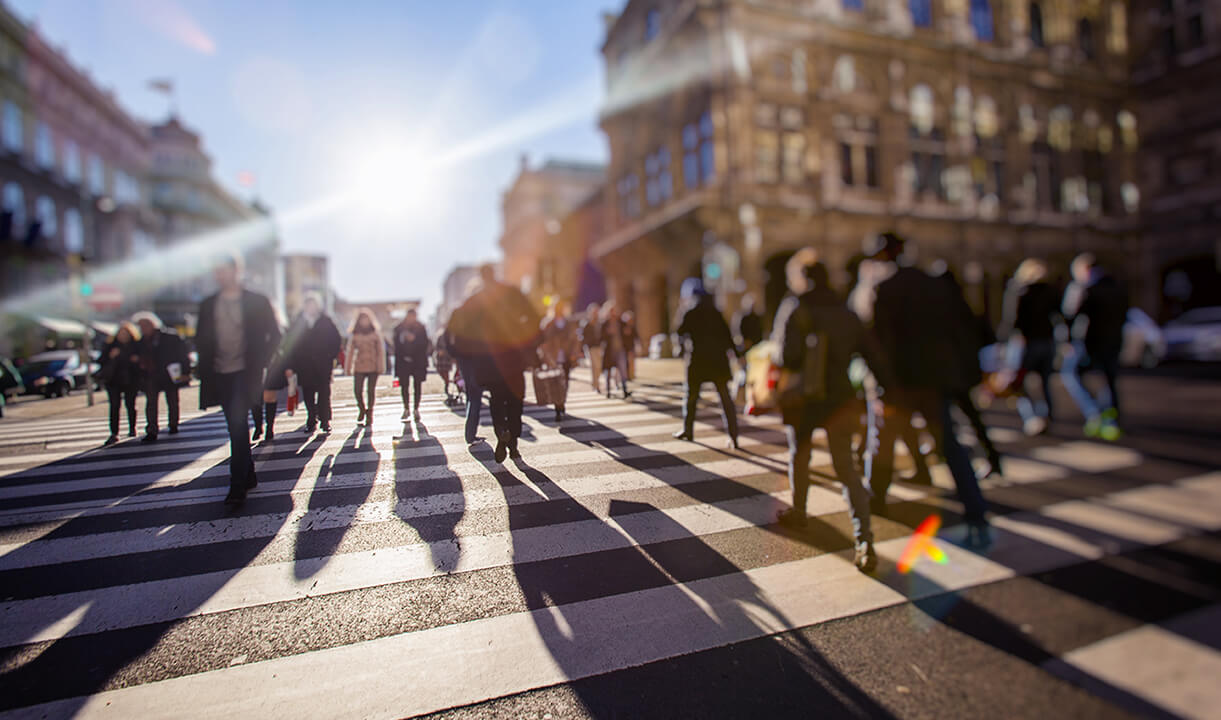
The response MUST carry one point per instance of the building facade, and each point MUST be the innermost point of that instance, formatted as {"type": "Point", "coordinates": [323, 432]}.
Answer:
{"type": "Point", "coordinates": [72, 169]}
{"type": "Point", "coordinates": [454, 291]}
{"type": "Point", "coordinates": [192, 207]}
{"type": "Point", "coordinates": [986, 131]}
{"type": "Point", "coordinates": [304, 274]}
{"type": "Point", "coordinates": [1176, 82]}
{"type": "Point", "coordinates": [533, 207]}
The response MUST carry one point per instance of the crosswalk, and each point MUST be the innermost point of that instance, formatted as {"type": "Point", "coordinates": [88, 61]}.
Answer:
{"type": "Point", "coordinates": [371, 578]}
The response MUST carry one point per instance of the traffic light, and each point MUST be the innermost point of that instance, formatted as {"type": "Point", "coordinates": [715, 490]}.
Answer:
{"type": "Point", "coordinates": [86, 288]}
{"type": "Point", "coordinates": [713, 271]}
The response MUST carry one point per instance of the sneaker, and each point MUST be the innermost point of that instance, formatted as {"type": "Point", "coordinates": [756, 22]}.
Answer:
{"type": "Point", "coordinates": [732, 444]}
{"type": "Point", "coordinates": [792, 518]}
{"type": "Point", "coordinates": [326, 428]}
{"type": "Point", "coordinates": [994, 466]}
{"type": "Point", "coordinates": [1093, 427]}
{"type": "Point", "coordinates": [502, 448]}
{"type": "Point", "coordinates": [1110, 432]}
{"type": "Point", "coordinates": [866, 559]}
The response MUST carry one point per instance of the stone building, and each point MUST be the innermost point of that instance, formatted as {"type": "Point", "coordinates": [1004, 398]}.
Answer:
{"type": "Point", "coordinates": [303, 274]}
{"type": "Point", "coordinates": [533, 207]}
{"type": "Point", "coordinates": [453, 291]}
{"type": "Point", "coordinates": [986, 131]}
{"type": "Point", "coordinates": [1176, 81]}
{"type": "Point", "coordinates": [569, 271]}
{"type": "Point", "coordinates": [72, 167]}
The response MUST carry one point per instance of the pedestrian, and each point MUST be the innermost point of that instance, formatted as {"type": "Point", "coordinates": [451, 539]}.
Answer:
{"type": "Point", "coordinates": [591, 340]}
{"type": "Point", "coordinates": [235, 337]}
{"type": "Point", "coordinates": [275, 381]}
{"type": "Point", "coordinates": [365, 356]}
{"type": "Point", "coordinates": [411, 350]}
{"type": "Point", "coordinates": [631, 342]}
{"type": "Point", "coordinates": [707, 345]}
{"type": "Point", "coordinates": [917, 319]}
{"type": "Point", "coordinates": [560, 348]}
{"type": "Point", "coordinates": [747, 325]}
{"type": "Point", "coordinates": [498, 335]}
{"type": "Point", "coordinates": [1095, 307]}
{"type": "Point", "coordinates": [311, 353]}
{"type": "Point", "coordinates": [1030, 318]}
{"type": "Point", "coordinates": [465, 343]}
{"type": "Point", "coordinates": [121, 376]}
{"type": "Point", "coordinates": [616, 344]}
{"type": "Point", "coordinates": [165, 366]}
{"type": "Point", "coordinates": [817, 338]}
{"type": "Point", "coordinates": [443, 361]}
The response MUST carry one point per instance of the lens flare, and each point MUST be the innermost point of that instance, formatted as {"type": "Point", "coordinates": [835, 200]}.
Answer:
{"type": "Point", "coordinates": [922, 544]}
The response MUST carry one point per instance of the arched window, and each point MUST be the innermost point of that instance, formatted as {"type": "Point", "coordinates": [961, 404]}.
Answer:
{"type": "Point", "coordinates": [843, 74]}
{"type": "Point", "coordinates": [922, 12]}
{"type": "Point", "coordinates": [920, 104]}
{"type": "Point", "coordinates": [1036, 25]}
{"type": "Point", "coordinates": [13, 127]}
{"type": "Point", "coordinates": [44, 210]}
{"type": "Point", "coordinates": [1085, 37]}
{"type": "Point", "coordinates": [74, 231]}
{"type": "Point", "coordinates": [14, 203]}
{"type": "Point", "coordinates": [981, 20]}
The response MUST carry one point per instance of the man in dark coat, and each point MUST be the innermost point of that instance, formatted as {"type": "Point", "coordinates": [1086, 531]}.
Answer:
{"type": "Point", "coordinates": [747, 325]}
{"type": "Point", "coordinates": [312, 357]}
{"type": "Point", "coordinates": [919, 322]}
{"type": "Point", "coordinates": [497, 332]}
{"type": "Point", "coordinates": [1032, 311]}
{"type": "Point", "coordinates": [235, 337]}
{"type": "Point", "coordinates": [708, 345]}
{"type": "Point", "coordinates": [817, 337]}
{"type": "Point", "coordinates": [1095, 308]}
{"type": "Point", "coordinates": [161, 351]}
{"type": "Point", "coordinates": [411, 350]}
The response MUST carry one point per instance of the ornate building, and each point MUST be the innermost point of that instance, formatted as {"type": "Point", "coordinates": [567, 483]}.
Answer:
{"type": "Point", "coordinates": [984, 130]}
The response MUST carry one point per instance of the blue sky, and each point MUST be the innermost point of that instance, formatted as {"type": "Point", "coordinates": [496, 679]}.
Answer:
{"type": "Point", "coordinates": [421, 109]}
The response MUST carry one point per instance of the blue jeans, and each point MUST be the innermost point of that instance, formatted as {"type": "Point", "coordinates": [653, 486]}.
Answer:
{"type": "Point", "coordinates": [474, 400]}
{"type": "Point", "coordinates": [958, 460]}
{"type": "Point", "coordinates": [1070, 374]}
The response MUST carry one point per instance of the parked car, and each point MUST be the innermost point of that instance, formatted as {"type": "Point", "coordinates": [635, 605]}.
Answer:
{"type": "Point", "coordinates": [1195, 335]}
{"type": "Point", "coordinates": [1144, 343]}
{"type": "Point", "coordinates": [55, 373]}
{"type": "Point", "coordinates": [10, 379]}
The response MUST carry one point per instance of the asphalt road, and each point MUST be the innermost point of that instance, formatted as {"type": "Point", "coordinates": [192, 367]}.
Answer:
{"type": "Point", "coordinates": [614, 572]}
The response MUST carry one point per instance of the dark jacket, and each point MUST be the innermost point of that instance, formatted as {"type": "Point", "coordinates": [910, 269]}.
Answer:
{"type": "Point", "coordinates": [1032, 310]}
{"type": "Point", "coordinates": [708, 341]}
{"type": "Point", "coordinates": [559, 340]}
{"type": "Point", "coordinates": [922, 325]}
{"type": "Point", "coordinates": [312, 350]}
{"type": "Point", "coordinates": [1097, 313]}
{"type": "Point", "coordinates": [121, 372]}
{"type": "Point", "coordinates": [157, 351]}
{"type": "Point", "coordinates": [262, 335]}
{"type": "Point", "coordinates": [821, 312]}
{"type": "Point", "coordinates": [411, 350]}
{"type": "Point", "coordinates": [497, 331]}
{"type": "Point", "coordinates": [748, 328]}
{"type": "Point", "coordinates": [591, 332]}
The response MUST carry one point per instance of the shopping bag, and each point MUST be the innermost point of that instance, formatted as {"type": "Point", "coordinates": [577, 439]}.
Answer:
{"type": "Point", "coordinates": [763, 379]}
{"type": "Point", "coordinates": [549, 386]}
{"type": "Point", "coordinates": [294, 397]}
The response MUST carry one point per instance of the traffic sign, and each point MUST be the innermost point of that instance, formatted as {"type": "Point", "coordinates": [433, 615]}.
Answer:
{"type": "Point", "coordinates": [102, 297]}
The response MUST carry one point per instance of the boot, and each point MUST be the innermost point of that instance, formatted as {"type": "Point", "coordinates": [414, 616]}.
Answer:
{"type": "Point", "coordinates": [269, 421]}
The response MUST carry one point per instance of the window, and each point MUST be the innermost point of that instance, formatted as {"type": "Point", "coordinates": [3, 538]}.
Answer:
{"type": "Point", "coordinates": [699, 155]}
{"type": "Point", "coordinates": [1045, 165]}
{"type": "Point", "coordinates": [652, 24]}
{"type": "Point", "coordinates": [856, 5]}
{"type": "Point", "coordinates": [798, 61]}
{"type": "Point", "coordinates": [1117, 35]}
{"type": "Point", "coordinates": [981, 20]}
{"type": "Point", "coordinates": [97, 176]}
{"type": "Point", "coordinates": [843, 74]}
{"type": "Point", "coordinates": [845, 163]}
{"type": "Point", "coordinates": [44, 146]}
{"type": "Point", "coordinates": [707, 150]}
{"type": "Point", "coordinates": [767, 156]}
{"type": "Point", "coordinates": [44, 211]}
{"type": "Point", "coordinates": [72, 162]}
{"type": "Point", "coordinates": [74, 231]}
{"type": "Point", "coordinates": [1127, 129]}
{"type": "Point", "coordinates": [658, 184]}
{"type": "Point", "coordinates": [920, 105]}
{"type": "Point", "coordinates": [13, 127]}
{"type": "Point", "coordinates": [1036, 26]}
{"type": "Point", "coordinates": [793, 158]}
{"type": "Point", "coordinates": [928, 162]}
{"type": "Point", "coordinates": [922, 12]}
{"type": "Point", "coordinates": [14, 204]}
{"type": "Point", "coordinates": [871, 166]}
{"type": "Point", "coordinates": [1098, 190]}
{"type": "Point", "coordinates": [1085, 38]}
{"type": "Point", "coordinates": [629, 196]}
{"type": "Point", "coordinates": [858, 151]}
{"type": "Point", "coordinates": [988, 167]}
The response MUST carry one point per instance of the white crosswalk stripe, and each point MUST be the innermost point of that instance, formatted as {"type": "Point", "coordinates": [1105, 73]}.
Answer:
{"type": "Point", "coordinates": [595, 554]}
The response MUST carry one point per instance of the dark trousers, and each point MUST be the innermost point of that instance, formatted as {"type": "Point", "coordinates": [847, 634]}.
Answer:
{"type": "Point", "coordinates": [694, 383]}
{"type": "Point", "coordinates": [1039, 359]}
{"type": "Point", "coordinates": [317, 403]}
{"type": "Point", "coordinates": [839, 437]}
{"type": "Point", "coordinates": [410, 388]}
{"type": "Point", "coordinates": [506, 404]}
{"type": "Point", "coordinates": [967, 405]}
{"type": "Point", "coordinates": [127, 398]}
{"type": "Point", "coordinates": [235, 402]}
{"type": "Point", "coordinates": [474, 400]}
{"type": "Point", "coordinates": [151, 410]}
{"type": "Point", "coordinates": [366, 382]}
{"type": "Point", "coordinates": [936, 409]}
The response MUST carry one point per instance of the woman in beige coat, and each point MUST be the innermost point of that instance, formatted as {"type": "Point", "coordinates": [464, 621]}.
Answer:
{"type": "Point", "coordinates": [365, 359]}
